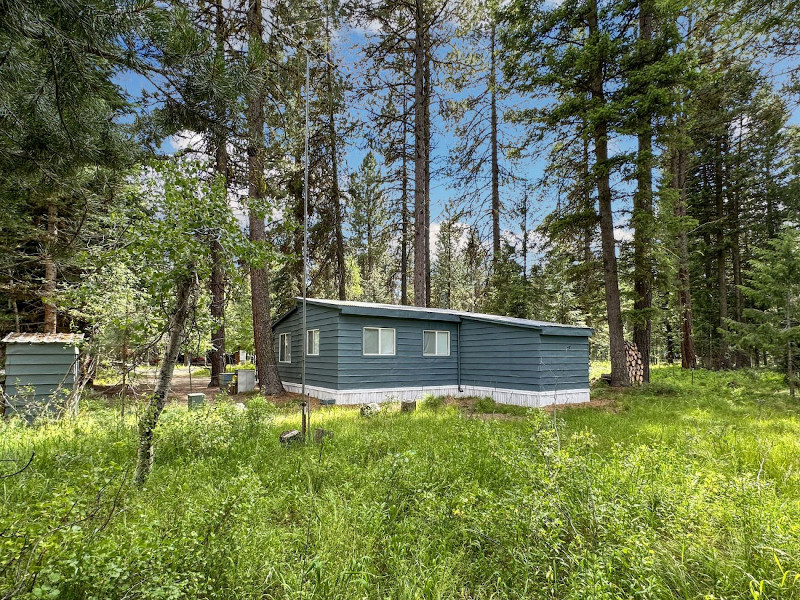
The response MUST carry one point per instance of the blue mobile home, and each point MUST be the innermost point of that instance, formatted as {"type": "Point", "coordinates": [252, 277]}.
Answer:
{"type": "Point", "coordinates": [358, 352]}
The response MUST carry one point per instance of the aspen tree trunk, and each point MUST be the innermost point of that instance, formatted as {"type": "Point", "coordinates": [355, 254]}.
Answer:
{"type": "Point", "coordinates": [619, 369]}
{"type": "Point", "coordinates": [643, 219]}
{"type": "Point", "coordinates": [420, 155]}
{"type": "Point", "coordinates": [50, 271]}
{"type": "Point", "coordinates": [217, 283]}
{"type": "Point", "coordinates": [494, 151]}
{"type": "Point", "coordinates": [679, 169]}
{"type": "Point", "coordinates": [149, 419]}
{"type": "Point", "coordinates": [268, 377]}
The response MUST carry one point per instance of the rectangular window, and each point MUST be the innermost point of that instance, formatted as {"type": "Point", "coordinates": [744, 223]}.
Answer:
{"type": "Point", "coordinates": [378, 341]}
{"type": "Point", "coordinates": [285, 348]}
{"type": "Point", "coordinates": [435, 343]}
{"type": "Point", "coordinates": [312, 342]}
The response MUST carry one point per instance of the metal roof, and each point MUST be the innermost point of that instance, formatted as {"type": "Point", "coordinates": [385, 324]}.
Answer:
{"type": "Point", "coordinates": [43, 338]}
{"type": "Point", "coordinates": [441, 314]}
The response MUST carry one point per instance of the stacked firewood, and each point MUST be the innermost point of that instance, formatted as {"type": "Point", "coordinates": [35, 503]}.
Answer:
{"type": "Point", "coordinates": [633, 360]}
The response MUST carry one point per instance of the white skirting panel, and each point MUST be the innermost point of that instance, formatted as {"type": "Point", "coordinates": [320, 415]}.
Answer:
{"type": "Point", "coordinates": [503, 396]}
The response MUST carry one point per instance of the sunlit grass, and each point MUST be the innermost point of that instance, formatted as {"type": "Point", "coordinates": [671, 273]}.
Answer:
{"type": "Point", "coordinates": [688, 488]}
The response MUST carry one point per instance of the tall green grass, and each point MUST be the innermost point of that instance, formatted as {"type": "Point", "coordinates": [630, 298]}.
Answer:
{"type": "Point", "coordinates": [680, 490]}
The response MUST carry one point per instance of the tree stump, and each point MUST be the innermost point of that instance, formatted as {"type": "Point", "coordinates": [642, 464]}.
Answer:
{"type": "Point", "coordinates": [408, 406]}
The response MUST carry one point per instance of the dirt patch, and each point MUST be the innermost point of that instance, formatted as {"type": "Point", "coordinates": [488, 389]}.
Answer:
{"type": "Point", "coordinates": [495, 416]}
{"type": "Point", "coordinates": [610, 404]}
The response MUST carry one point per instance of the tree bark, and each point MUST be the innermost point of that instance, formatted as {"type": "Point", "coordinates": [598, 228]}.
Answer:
{"type": "Point", "coordinates": [266, 366]}
{"type": "Point", "coordinates": [404, 215]}
{"type": "Point", "coordinates": [619, 370]}
{"type": "Point", "coordinates": [722, 282]}
{"type": "Point", "coordinates": [679, 170]}
{"type": "Point", "coordinates": [420, 155]}
{"type": "Point", "coordinates": [217, 283]}
{"type": "Point", "coordinates": [789, 365]}
{"type": "Point", "coordinates": [642, 219]}
{"type": "Point", "coordinates": [155, 406]}
{"type": "Point", "coordinates": [427, 96]}
{"type": "Point", "coordinates": [50, 271]}
{"type": "Point", "coordinates": [494, 148]}
{"type": "Point", "coordinates": [336, 198]}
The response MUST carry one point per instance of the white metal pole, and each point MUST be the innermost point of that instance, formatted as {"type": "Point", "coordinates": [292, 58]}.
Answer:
{"type": "Point", "coordinates": [305, 254]}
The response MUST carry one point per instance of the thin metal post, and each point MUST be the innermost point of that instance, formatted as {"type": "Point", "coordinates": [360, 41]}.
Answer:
{"type": "Point", "coordinates": [305, 254]}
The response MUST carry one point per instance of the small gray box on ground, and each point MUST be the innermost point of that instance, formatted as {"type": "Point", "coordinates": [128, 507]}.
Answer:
{"type": "Point", "coordinates": [245, 380]}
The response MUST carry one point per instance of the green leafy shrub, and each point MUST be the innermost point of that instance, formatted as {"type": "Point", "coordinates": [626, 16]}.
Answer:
{"type": "Point", "coordinates": [432, 402]}
{"type": "Point", "coordinates": [259, 412]}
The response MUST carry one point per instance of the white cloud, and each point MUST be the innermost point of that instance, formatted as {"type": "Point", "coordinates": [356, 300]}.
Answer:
{"type": "Point", "coordinates": [187, 139]}
{"type": "Point", "coordinates": [623, 234]}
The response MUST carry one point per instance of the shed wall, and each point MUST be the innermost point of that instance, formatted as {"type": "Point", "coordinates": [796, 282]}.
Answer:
{"type": "Point", "coordinates": [42, 368]}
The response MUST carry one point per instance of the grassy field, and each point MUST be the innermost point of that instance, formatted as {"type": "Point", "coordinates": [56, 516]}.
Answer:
{"type": "Point", "coordinates": [685, 489]}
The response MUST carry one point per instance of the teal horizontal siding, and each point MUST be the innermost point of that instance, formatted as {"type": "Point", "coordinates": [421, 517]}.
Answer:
{"type": "Point", "coordinates": [499, 355]}
{"type": "Point", "coordinates": [564, 362]}
{"type": "Point", "coordinates": [321, 370]}
{"type": "Point", "coordinates": [493, 354]}
{"type": "Point", "coordinates": [407, 368]}
{"type": "Point", "coordinates": [63, 360]}
{"type": "Point", "coordinates": [34, 372]}
{"type": "Point", "coordinates": [40, 350]}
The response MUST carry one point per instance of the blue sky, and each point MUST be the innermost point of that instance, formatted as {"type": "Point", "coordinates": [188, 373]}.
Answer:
{"type": "Point", "coordinates": [349, 50]}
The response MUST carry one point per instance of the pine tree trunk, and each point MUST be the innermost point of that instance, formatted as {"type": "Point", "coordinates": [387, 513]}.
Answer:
{"type": "Point", "coordinates": [789, 358]}
{"type": "Point", "coordinates": [336, 200]}
{"type": "Point", "coordinates": [742, 357]}
{"type": "Point", "coordinates": [149, 419]}
{"type": "Point", "coordinates": [688, 355]}
{"type": "Point", "coordinates": [217, 283]}
{"type": "Point", "coordinates": [722, 282]}
{"type": "Point", "coordinates": [267, 368]}
{"type": "Point", "coordinates": [420, 155]}
{"type": "Point", "coordinates": [493, 141]}
{"type": "Point", "coordinates": [619, 370]}
{"type": "Point", "coordinates": [50, 271]}
{"type": "Point", "coordinates": [404, 214]}
{"type": "Point", "coordinates": [427, 97]}
{"type": "Point", "coordinates": [642, 219]}
{"type": "Point", "coordinates": [217, 258]}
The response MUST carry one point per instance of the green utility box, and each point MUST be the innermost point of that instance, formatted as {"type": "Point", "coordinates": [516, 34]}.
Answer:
{"type": "Point", "coordinates": [196, 401]}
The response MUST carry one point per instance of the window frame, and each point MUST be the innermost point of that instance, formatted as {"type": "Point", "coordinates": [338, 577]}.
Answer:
{"type": "Point", "coordinates": [312, 331]}
{"type": "Point", "coordinates": [436, 333]}
{"type": "Point", "coordinates": [288, 335]}
{"type": "Point", "coordinates": [380, 331]}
